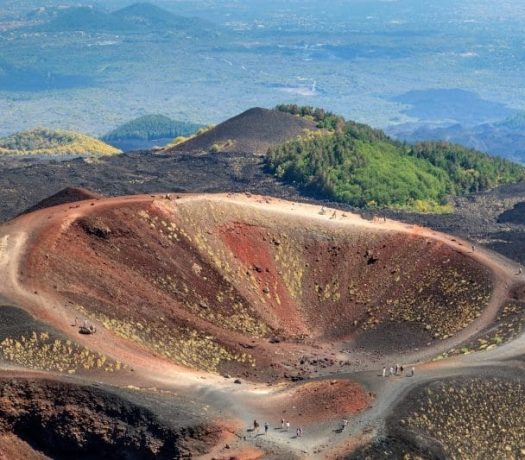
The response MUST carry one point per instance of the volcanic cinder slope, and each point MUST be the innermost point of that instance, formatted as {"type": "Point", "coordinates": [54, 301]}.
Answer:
{"type": "Point", "coordinates": [255, 130]}
{"type": "Point", "coordinates": [186, 289]}
{"type": "Point", "coordinates": [67, 195]}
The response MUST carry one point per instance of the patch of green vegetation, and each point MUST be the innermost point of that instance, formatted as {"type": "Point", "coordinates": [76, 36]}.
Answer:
{"type": "Point", "coordinates": [151, 127]}
{"type": "Point", "coordinates": [237, 319]}
{"type": "Point", "coordinates": [42, 141]}
{"type": "Point", "coordinates": [41, 351]}
{"type": "Point", "coordinates": [471, 418]}
{"type": "Point", "coordinates": [443, 300]}
{"type": "Point", "coordinates": [181, 345]}
{"type": "Point", "coordinates": [510, 325]}
{"type": "Point", "coordinates": [291, 265]}
{"type": "Point", "coordinates": [182, 139]}
{"type": "Point", "coordinates": [234, 313]}
{"type": "Point", "coordinates": [356, 164]}
{"type": "Point", "coordinates": [323, 119]}
{"type": "Point", "coordinates": [220, 146]}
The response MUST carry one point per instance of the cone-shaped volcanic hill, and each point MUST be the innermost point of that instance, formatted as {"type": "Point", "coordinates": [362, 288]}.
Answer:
{"type": "Point", "coordinates": [249, 285]}
{"type": "Point", "coordinates": [253, 131]}
{"type": "Point", "coordinates": [67, 195]}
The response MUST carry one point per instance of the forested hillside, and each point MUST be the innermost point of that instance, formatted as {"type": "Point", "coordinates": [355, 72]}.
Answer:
{"type": "Point", "coordinates": [354, 163]}
{"type": "Point", "coordinates": [150, 127]}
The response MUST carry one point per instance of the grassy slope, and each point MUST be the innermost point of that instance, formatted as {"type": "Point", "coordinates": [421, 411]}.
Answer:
{"type": "Point", "coordinates": [42, 141]}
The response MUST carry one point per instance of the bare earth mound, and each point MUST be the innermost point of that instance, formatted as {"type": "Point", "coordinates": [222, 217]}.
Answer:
{"type": "Point", "coordinates": [67, 195]}
{"type": "Point", "coordinates": [319, 401]}
{"type": "Point", "coordinates": [253, 131]}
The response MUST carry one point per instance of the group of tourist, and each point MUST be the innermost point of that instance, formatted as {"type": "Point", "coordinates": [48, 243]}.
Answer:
{"type": "Point", "coordinates": [285, 426]}
{"type": "Point", "coordinates": [398, 370]}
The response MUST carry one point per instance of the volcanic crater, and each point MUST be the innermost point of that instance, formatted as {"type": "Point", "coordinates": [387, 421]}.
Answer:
{"type": "Point", "coordinates": [211, 312]}
{"type": "Point", "coordinates": [251, 286]}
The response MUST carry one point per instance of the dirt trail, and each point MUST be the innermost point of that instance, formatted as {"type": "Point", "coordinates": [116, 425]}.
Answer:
{"type": "Point", "coordinates": [16, 237]}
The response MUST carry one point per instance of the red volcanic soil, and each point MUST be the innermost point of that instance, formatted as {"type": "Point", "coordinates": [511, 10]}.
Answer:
{"type": "Point", "coordinates": [255, 288]}
{"type": "Point", "coordinates": [13, 448]}
{"type": "Point", "coordinates": [245, 241]}
{"type": "Point", "coordinates": [319, 401]}
{"type": "Point", "coordinates": [331, 283]}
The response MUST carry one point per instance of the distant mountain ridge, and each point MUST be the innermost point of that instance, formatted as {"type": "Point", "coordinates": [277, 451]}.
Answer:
{"type": "Point", "coordinates": [452, 105]}
{"type": "Point", "coordinates": [149, 15]}
{"type": "Point", "coordinates": [137, 17]}
{"type": "Point", "coordinates": [505, 138]}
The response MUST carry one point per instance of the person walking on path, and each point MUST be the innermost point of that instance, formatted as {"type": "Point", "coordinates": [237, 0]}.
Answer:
{"type": "Point", "coordinates": [287, 426]}
{"type": "Point", "coordinates": [391, 371]}
{"type": "Point", "coordinates": [384, 371]}
{"type": "Point", "coordinates": [345, 424]}
{"type": "Point", "coordinates": [413, 372]}
{"type": "Point", "coordinates": [282, 423]}
{"type": "Point", "coordinates": [266, 426]}
{"type": "Point", "coordinates": [256, 426]}
{"type": "Point", "coordinates": [298, 432]}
